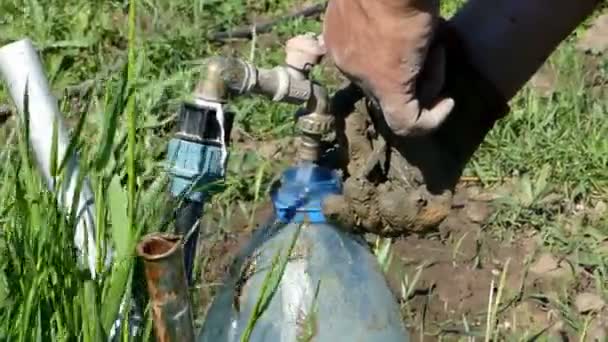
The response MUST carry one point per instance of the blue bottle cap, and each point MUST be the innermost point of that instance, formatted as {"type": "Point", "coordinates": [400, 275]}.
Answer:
{"type": "Point", "coordinates": [301, 193]}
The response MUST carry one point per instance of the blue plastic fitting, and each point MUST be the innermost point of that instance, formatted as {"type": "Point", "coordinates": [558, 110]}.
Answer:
{"type": "Point", "coordinates": [193, 166]}
{"type": "Point", "coordinates": [300, 195]}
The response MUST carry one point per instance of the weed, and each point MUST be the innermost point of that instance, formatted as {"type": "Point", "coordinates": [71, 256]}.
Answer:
{"type": "Point", "coordinates": [270, 285]}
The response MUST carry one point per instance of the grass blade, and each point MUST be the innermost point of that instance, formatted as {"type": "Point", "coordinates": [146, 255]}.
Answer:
{"type": "Point", "coordinates": [110, 122]}
{"type": "Point", "coordinates": [75, 139]}
{"type": "Point", "coordinates": [122, 238]}
{"type": "Point", "coordinates": [117, 198]}
{"type": "Point", "coordinates": [131, 119]}
{"type": "Point", "coordinates": [122, 269]}
{"type": "Point", "coordinates": [92, 312]}
{"type": "Point", "coordinates": [270, 285]}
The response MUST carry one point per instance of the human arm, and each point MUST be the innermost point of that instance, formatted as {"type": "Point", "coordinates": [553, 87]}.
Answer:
{"type": "Point", "coordinates": [508, 40]}
{"type": "Point", "coordinates": [489, 57]}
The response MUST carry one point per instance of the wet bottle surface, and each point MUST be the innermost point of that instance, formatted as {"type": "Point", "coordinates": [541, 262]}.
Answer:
{"type": "Point", "coordinates": [332, 288]}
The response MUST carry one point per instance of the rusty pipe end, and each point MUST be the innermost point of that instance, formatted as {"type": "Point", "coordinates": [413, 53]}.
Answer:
{"type": "Point", "coordinates": [157, 246]}
{"type": "Point", "coordinates": [167, 286]}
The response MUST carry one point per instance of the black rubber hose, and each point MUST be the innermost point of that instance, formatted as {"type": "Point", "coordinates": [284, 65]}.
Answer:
{"type": "Point", "coordinates": [245, 32]}
{"type": "Point", "coordinates": [187, 225]}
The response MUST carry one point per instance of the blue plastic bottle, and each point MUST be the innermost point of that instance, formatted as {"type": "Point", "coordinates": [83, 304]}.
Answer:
{"type": "Point", "coordinates": [332, 288]}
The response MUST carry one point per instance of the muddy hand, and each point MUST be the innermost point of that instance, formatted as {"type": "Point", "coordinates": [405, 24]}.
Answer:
{"type": "Point", "coordinates": [383, 46]}
{"type": "Point", "coordinates": [372, 203]}
{"type": "Point", "coordinates": [397, 185]}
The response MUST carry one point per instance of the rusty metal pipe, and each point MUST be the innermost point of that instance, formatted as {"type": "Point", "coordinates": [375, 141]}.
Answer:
{"type": "Point", "coordinates": [167, 286]}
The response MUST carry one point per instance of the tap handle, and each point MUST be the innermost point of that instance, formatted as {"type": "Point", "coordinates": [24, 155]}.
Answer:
{"type": "Point", "coordinates": [303, 52]}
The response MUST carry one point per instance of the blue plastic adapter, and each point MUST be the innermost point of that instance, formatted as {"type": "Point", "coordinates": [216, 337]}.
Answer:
{"type": "Point", "coordinates": [195, 154]}
{"type": "Point", "coordinates": [195, 163]}
{"type": "Point", "coordinates": [193, 166]}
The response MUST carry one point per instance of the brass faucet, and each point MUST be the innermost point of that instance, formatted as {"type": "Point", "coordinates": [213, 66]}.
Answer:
{"type": "Point", "coordinates": [289, 83]}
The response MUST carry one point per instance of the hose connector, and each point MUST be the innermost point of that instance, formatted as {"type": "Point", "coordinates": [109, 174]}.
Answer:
{"type": "Point", "coordinates": [196, 155]}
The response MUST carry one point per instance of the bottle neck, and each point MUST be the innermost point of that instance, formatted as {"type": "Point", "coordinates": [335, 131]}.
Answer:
{"type": "Point", "coordinates": [299, 198]}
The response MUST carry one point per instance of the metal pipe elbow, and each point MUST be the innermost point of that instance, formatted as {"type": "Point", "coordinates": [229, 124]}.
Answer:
{"type": "Point", "coordinates": [225, 76]}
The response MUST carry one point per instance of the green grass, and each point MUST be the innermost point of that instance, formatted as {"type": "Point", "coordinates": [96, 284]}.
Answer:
{"type": "Point", "coordinates": [566, 131]}
{"type": "Point", "coordinates": [129, 79]}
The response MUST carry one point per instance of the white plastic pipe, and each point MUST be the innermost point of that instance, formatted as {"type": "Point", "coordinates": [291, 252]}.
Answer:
{"type": "Point", "coordinates": [20, 67]}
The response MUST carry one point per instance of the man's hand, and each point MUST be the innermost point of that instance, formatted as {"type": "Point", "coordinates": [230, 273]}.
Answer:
{"type": "Point", "coordinates": [383, 46]}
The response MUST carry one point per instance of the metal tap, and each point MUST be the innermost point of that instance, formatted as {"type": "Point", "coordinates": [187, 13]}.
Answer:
{"type": "Point", "coordinates": [288, 83]}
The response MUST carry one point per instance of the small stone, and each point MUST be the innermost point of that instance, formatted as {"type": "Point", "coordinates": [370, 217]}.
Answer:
{"type": "Point", "coordinates": [587, 302]}
{"type": "Point", "coordinates": [579, 207]}
{"type": "Point", "coordinates": [548, 265]}
{"type": "Point", "coordinates": [545, 263]}
{"type": "Point", "coordinates": [595, 40]}
{"type": "Point", "coordinates": [478, 212]}
{"type": "Point", "coordinates": [460, 199]}
{"type": "Point", "coordinates": [544, 81]}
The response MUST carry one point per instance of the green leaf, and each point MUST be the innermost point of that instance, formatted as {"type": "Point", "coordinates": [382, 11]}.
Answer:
{"type": "Point", "coordinates": [117, 198]}
{"type": "Point", "coordinates": [385, 255]}
{"type": "Point", "coordinates": [270, 284]}
{"type": "Point", "coordinates": [122, 237]}
{"type": "Point", "coordinates": [542, 182]}
{"type": "Point", "coordinates": [92, 321]}
{"type": "Point", "coordinates": [110, 121]}
{"type": "Point", "coordinates": [114, 292]}
{"type": "Point", "coordinates": [39, 326]}
{"type": "Point", "coordinates": [54, 157]}
{"type": "Point", "coordinates": [71, 149]}
{"type": "Point", "coordinates": [526, 194]}
{"type": "Point", "coordinates": [29, 307]}
{"type": "Point", "coordinates": [3, 288]}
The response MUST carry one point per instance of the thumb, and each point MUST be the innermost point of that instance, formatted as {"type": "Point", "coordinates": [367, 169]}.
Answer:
{"type": "Point", "coordinates": [410, 119]}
